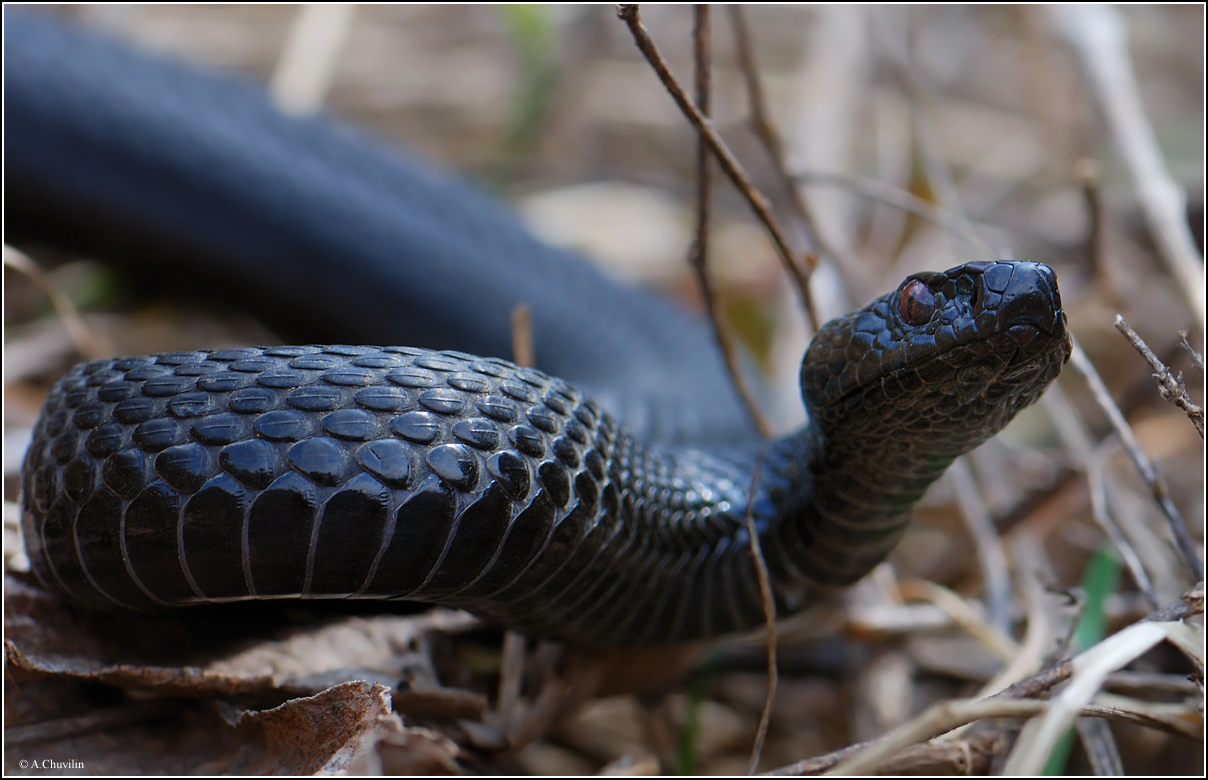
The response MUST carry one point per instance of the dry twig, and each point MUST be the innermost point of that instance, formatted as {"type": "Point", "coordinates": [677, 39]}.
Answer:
{"type": "Point", "coordinates": [1088, 177]}
{"type": "Point", "coordinates": [1089, 668]}
{"type": "Point", "coordinates": [1095, 468]}
{"type": "Point", "coordinates": [729, 163]}
{"type": "Point", "coordinates": [699, 258]}
{"type": "Point", "coordinates": [769, 613]}
{"type": "Point", "coordinates": [1174, 518]}
{"type": "Point", "coordinates": [987, 542]}
{"type": "Point", "coordinates": [523, 352]}
{"type": "Point", "coordinates": [936, 759]}
{"type": "Point", "coordinates": [1171, 388]}
{"type": "Point", "coordinates": [767, 135]}
{"type": "Point", "coordinates": [1196, 358]}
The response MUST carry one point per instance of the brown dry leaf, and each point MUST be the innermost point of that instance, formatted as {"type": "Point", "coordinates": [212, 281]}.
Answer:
{"type": "Point", "coordinates": [54, 710]}
{"type": "Point", "coordinates": [322, 734]}
{"type": "Point", "coordinates": [214, 657]}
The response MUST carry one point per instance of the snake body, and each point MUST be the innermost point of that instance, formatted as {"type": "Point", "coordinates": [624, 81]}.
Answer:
{"type": "Point", "coordinates": [570, 509]}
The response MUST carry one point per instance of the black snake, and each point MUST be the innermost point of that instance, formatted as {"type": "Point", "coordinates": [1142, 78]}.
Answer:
{"type": "Point", "coordinates": [608, 511]}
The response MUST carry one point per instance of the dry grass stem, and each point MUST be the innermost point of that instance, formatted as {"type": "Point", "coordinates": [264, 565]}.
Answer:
{"type": "Point", "coordinates": [1178, 526]}
{"type": "Point", "coordinates": [909, 137]}
{"type": "Point", "coordinates": [957, 758]}
{"type": "Point", "coordinates": [1090, 669]}
{"type": "Point", "coordinates": [898, 198]}
{"type": "Point", "coordinates": [990, 554]}
{"type": "Point", "coordinates": [90, 343]}
{"type": "Point", "coordinates": [1088, 176]}
{"type": "Point", "coordinates": [524, 353]}
{"type": "Point", "coordinates": [1100, 747]}
{"type": "Point", "coordinates": [311, 56]}
{"type": "Point", "coordinates": [511, 673]}
{"type": "Point", "coordinates": [993, 639]}
{"type": "Point", "coordinates": [1099, 510]}
{"type": "Point", "coordinates": [1041, 627]}
{"type": "Point", "coordinates": [1098, 39]}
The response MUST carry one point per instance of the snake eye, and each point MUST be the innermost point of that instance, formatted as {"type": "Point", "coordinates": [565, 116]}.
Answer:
{"type": "Point", "coordinates": [916, 303]}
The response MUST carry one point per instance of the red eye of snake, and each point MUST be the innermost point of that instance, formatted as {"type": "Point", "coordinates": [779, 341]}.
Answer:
{"type": "Point", "coordinates": [916, 303]}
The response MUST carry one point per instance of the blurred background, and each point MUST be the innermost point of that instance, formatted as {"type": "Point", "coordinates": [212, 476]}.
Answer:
{"type": "Point", "coordinates": [984, 121]}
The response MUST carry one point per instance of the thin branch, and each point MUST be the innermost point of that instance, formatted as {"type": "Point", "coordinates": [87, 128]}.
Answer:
{"type": "Point", "coordinates": [1016, 701]}
{"type": "Point", "coordinates": [1097, 36]}
{"type": "Point", "coordinates": [1100, 746]}
{"type": "Point", "coordinates": [311, 57]}
{"type": "Point", "coordinates": [1196, 358]}
{"type": "Point", "coordinates": [511, 674]}
{"type": "Point", "coordinates": [1171, 388]}
{"type": "Point", "coordinates": [987, 542]}
{"type": "Point", "coordinates": [1088, 177]}
{"type": "Point", "coordinates": [994, 639]}
{"type": "Point", "coordinates": [523, 351]}
{"type": "Point", "coordinates": [699, 258]}
{"type": "Point", "coordinates": [946, 716]}
{"type": "Point", "coordinates": [702, 55]}
{"type": "Point", "coordinates": [729, 163]}
{"type": "Point", "coordinates": [899, 198]}
{"type": "Point", "coordinates": [769, 614]}
{"type": "Point", "coordinates": [1178, 526]}
{"type": "Point", "coordinates": [1090, 669]}
{"type": "Point", "coordinates": [954, 758]}
{"type": "Point", "coordinates": [767, 135]}
{"type": "Point", "coordinates": [1095, 468]}
{"type": "Point", "coordinates": [1030, 563]}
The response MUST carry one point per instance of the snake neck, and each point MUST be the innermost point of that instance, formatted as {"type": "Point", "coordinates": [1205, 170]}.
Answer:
{"type": "Point", "coordinates": [825, 512]}
{"type": "Point", "coordinates": [835, 507]}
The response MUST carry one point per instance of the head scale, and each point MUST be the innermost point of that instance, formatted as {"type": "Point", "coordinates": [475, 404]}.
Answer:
{"type": "Point", "coordinates": [942, 363]}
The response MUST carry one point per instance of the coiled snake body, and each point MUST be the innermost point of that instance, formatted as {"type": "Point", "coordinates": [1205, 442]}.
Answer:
{"type": "Point", "coordinates": [572, 511]}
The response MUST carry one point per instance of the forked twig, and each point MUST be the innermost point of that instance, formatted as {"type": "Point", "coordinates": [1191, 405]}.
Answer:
{"type": "Point", "coordinates": [1170, 387]}
{"type": "Point", "coordinates": [729, 163]}
{"type": "Point", "coordinates": [768, 136]}
{"type": "Point", "coordinates": [699, 258]}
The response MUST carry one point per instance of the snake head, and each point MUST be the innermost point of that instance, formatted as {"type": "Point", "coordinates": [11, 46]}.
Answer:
{"type": "Point", "coordinates": [941, 363]}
